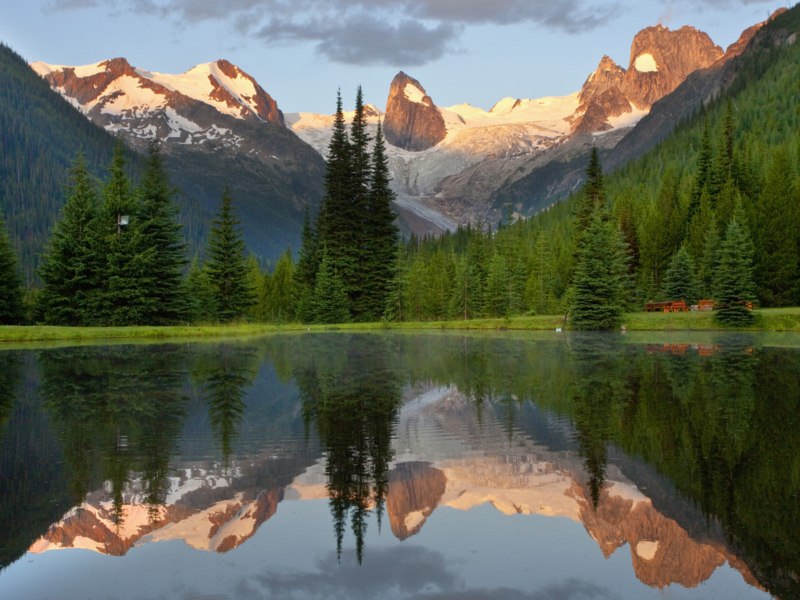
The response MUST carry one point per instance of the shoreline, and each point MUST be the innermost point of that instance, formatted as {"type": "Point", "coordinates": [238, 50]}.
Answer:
{"type": "Point", "coordinates": [767, 320]}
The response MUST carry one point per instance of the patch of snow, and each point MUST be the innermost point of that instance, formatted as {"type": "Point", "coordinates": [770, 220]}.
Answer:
{"type": "Point", "coordinates": [196, 84]}
{"type": "Point", "coordinates": [413, 93]}
{"type": "Point", "coordinates": [413, 519]}
{"type": "Point", "coordinates": [85, 543]}
{"type": "Point", "coordinates": [647, 549]}
{"type": "Point", "coordinates": [550, 110]}
{"type": "Point", "coordinates": [627, 491]}
{"type": "Point", "coordinates": [178, 123]}
{"type": "Point", "coordinates": [43, 69]}
{"type": "Point", "coordinates": [645, 63]}
{"type": "Point", "coordinates": [132, 98]}
{"type": "Point", "coordinates": [504, 106]}
{"type": "Point", "coordinates": [628, 119]}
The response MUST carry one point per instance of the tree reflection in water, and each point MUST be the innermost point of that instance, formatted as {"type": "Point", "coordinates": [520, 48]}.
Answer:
{"type": "Point", "coordinates": [351, 391]}
{"type": "Point", "coordinates": [225, 374]}
{"type": "Point", "coordinates": [117, 411]}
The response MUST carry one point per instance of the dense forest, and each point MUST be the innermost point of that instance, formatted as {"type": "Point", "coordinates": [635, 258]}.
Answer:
{"type": "Point", "coordinates": [40, 133]}
{"type": "Point", "coordinates": [711, 213]}
{"type": "Point", "coordinates": [672, 206]}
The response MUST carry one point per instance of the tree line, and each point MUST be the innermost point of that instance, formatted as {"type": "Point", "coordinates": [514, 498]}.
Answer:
{"type": "Point", "coordinates": [711, 213]}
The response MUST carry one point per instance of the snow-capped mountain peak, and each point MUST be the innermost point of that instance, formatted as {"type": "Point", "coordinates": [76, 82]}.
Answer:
{"type": "Point", "coordinates": [115, 87]}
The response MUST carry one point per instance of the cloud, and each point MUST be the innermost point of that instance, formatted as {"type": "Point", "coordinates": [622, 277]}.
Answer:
{"type": "Point", "coordinates": [408, 42]}
{"type": "Point", "coordinates": [400, 572]}
{"type": "Point", "coordinates": [396, 33]}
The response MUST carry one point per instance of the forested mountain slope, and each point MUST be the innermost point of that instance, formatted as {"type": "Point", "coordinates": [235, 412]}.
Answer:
{"type": "Point", "coordinates": [738, 154]}
{"type": "Point", "coordinates": [40, 135]}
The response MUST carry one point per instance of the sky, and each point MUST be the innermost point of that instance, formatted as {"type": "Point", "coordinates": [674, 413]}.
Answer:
{"type": "Point", "coordinates": [302, 51]}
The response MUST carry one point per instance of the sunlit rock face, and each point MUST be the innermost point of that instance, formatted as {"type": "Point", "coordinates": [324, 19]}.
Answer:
{"type": "Point", "coordinates": [660, 61]}
{"type": "Point", "coordinates": [207, 511]}
{"type": "Point", "coordinates": [415, 490]}
{"type": "Point", "coordinates": [413, 122]}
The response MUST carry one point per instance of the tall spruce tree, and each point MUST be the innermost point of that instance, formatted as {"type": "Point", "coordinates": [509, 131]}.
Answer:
{"type": "Point", "coordinates": [305, 274]}
{"type": "Point", "coordinates": [280, 293]}
{"type": "Point", "coordinates": [776, 233]}
{"type": "Point", "coordinates": [202, 300]}
{"type": "Point", "coordinates": [330, 297]}
{"type": "Point", "coordinates": [339, 218]}
{"type": "Point", "coordinates": [226, 265]}
{"type": "Point", "coordinates": [72, 267]}
{"type": "Point", "coordinates": [593, 194]}
{"type": "Point", "coordinates": [158, 224]}
{"type": "Point", "coordinates": [702, 179]}
{"type": "Point", "coordinates": [601, 273]}
{"type": "Point", "coordinates": [680, 282]}
{"type": "Point", "coordinates": [11, 310]}
{"type": "Point", "coordinates": [733, 282]}
{"type": "Point", "coordinates": [124, 297]}
{"type": "Point", "coordinates": [360, 279]}
{"type": "Point", "coordinates": [380, 257]}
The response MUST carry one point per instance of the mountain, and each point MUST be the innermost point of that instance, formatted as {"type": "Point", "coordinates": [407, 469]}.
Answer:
{"type": "Point", "coordinates": [219, 128]}
{"type": "Point", "coordinates": [544, 184]}
{"type": "Point", "coordinates": [660, 60]}
{"type": "Point", "coordinates": [450, 165]}
{"type": "Point", "coordinates": [413, 122]}
{"type": "Point", "coordinates": [40, 135]}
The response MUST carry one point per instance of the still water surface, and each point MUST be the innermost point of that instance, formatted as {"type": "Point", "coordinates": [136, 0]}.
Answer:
{"type": "Point", "coordinates": [404, 466]}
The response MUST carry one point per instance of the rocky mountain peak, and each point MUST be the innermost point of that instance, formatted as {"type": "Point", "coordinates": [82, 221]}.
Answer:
{"type": "Point", "coordinates": [412, 122]}
{"type": "Point", "coordinates": [242, 91]}
{"type": "Point", "coordinates": [660, 60]}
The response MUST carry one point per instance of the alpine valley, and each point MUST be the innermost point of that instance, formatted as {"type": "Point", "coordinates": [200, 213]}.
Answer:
{"type": "Point", "coordinates": [450, 166]}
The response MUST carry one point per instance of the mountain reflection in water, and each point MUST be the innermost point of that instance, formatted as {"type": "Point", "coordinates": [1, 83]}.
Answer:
{"type": "Point", "coordinates": [688, 454]}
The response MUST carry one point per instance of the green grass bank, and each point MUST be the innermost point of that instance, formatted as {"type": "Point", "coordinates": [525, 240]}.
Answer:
{"type": "Point", "coordinates": [772, 319]}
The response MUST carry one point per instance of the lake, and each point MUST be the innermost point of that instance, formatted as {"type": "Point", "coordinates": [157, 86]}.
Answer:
{"type": "Point", "coordinates": [432, 466]}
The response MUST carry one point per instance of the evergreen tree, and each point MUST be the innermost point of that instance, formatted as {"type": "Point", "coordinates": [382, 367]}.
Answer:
{"type": "Point", "coordinates": [202, 301]}
{"type": "Point", "coordinates": [708, 262]}
{"type": "Point", "coordinates": [227, 268]}
{"type": "Point", "coordinates": [497, 297]}
{"type": "Point", "coordinates": [305, 274]}
{"type": "Point", "coordinates": [280, 297]}
{"type": "Point", "coordinates": [733, 283]}
{"type": "Point", "coordinates": [593, 195]}
{"type": "Point", "coordinates": [124, 298]}
{"type": "Point", "coordinates": [360, 279]}
{"type": "Point", "coordinates": [71, 267]}
{"type": "Point", "coordinates": [600, 280]}
{"type": "Point", "coordinates": [380, 259]}
{"type": "Point", "coordinates": [339, 222]}
{"type": "Point", "coordinates": [467, 295]}
{"type": "Point", "coordinates": [777, 233]}
{"type": "Point", "coordinates": [10, 281]}
{"type": "Point", "coordinates": [723, 158]}
{"type": "Point", "coordinates": [258, 282]}
{"type": "Point", "coordinates": [704, 168]}
{"type": "Point", "coordinates": [161, 232]}
{"type": "Point", "coordinates": [540, 287]}
{"type": "Point", "coordinates": [330, 297]}
{"type": "Point", "coordinates": [680, 282]}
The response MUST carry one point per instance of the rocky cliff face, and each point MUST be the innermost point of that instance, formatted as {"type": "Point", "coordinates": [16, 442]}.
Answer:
{"type": "Point", "coordinates": [415, 490]}
{"type": "Point", "coordinates": [660, 61]}
{"type": "Point", "coordinates": [662, 552]}
{"type": "Point", "coordinates": [413, 122]}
